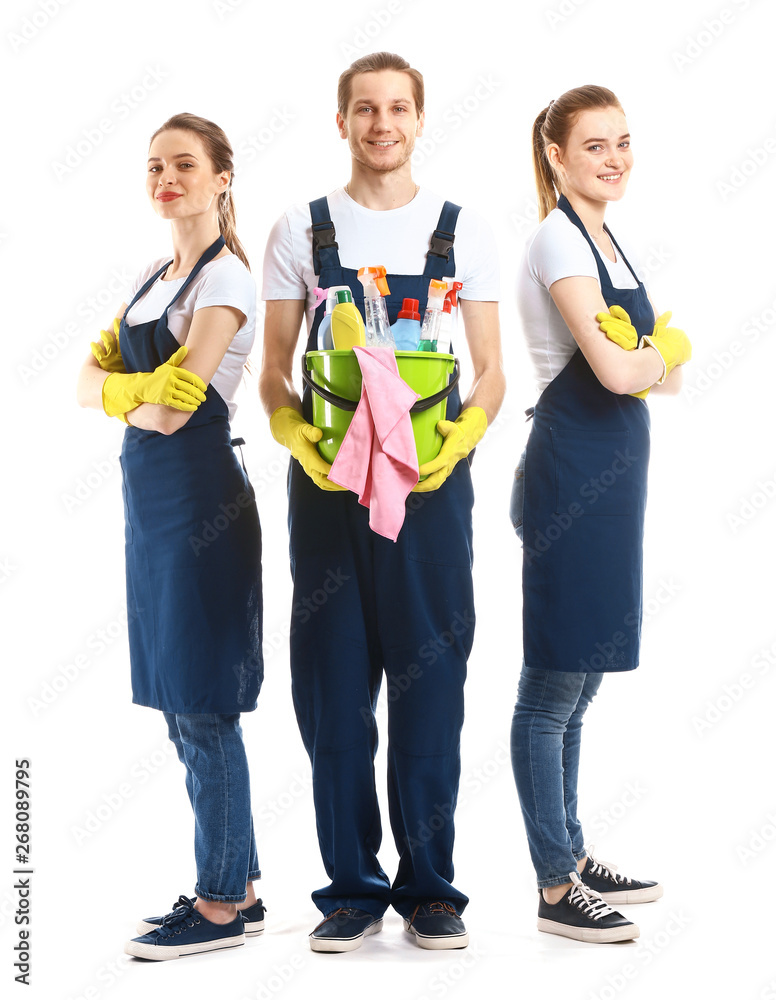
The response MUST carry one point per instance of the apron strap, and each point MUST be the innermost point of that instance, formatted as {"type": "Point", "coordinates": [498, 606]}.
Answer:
{"type": "Point", "coordinates": [207, 256]}
{"type": "Point", "coordinates": [440, 258]}
{"type": "Point", "coordinates": [212, 251]}
{"type": "Point", "coordinates": [603, 274]}
{"type": "Point", "coordinates": [324, 237]}
{"type": "Point", "coordinates": [141, 291]}
{"type": "Point", "coordinates": [619, 251]}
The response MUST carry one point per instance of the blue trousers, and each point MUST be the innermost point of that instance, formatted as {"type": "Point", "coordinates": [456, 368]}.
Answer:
{"type": "Point", "coordinates": [546, 735]}
{"type": "Point", "coordinates": [212, 750]}
{"type": "Point", "coordinates": [365, 607]}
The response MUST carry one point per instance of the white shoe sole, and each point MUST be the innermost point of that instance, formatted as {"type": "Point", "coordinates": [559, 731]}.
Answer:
{"type": "Point", "coordinates": [626, 896]}
{"type": "Point", "coordinates": [438, 943]}
{"type": "Point", "coordinates": [592, 935]}
{"type": "Point", "coordinates": [163, 953]}
{"type": "Point", "coordinates": [332, 945]}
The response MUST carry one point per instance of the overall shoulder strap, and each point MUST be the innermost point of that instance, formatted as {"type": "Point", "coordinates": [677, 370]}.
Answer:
{"type": "Point", "coordinates": [440, 257]}
{"type": "Point", "coordinates": [324, 237]}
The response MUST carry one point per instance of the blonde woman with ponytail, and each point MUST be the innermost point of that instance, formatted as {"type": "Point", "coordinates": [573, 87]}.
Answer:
{"type": "Point", "coordinates": [169, 371]}
{"type": "Point", "coordinates": [599, 349]}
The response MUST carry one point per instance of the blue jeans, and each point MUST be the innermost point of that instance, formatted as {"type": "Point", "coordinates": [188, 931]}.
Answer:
{"type": "Point", "coordinates": [546, 734]}
{"type": "Point", "coordinates": [212, 750]}
{"type": "Point", "coordinates": [517, 497]}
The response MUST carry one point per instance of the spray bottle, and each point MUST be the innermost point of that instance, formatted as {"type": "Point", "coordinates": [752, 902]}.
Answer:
{"type": "Point", "coordinates": [378, 330]}
{"type": "Point", "coordinates": [449, 316]}
{"type": "Point", "coordinates": [432, 320]}
{"type": "Point", "coordinates": [325, 342]}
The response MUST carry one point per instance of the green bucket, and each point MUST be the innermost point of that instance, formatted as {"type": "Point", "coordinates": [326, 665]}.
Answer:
{"type": "Point", "coordinates": [335, 380]}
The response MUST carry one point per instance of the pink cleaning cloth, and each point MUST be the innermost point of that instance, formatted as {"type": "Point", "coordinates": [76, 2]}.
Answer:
{"type": "Point", "coordinates": [377, 458]}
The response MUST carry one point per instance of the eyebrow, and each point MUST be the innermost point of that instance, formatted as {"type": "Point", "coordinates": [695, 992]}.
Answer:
{"type": "Point", "coordinates": [626, 136]}
{"type": "Point", "coordinates": [395, 100]}
{"type": "Point", "coordinates": [177, 156]}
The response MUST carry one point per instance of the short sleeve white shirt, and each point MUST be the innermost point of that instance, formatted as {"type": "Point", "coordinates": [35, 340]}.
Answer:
{"type": "Point", "coordinates": [397, 239]}
{"type": "Point", "coordinates": [222, 282]}
{"type": "Point", "coordinates": [557, 249]}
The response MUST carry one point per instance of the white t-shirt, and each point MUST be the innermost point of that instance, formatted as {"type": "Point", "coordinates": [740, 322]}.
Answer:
{"type": "Point", "coordinates": [222, 282]}
{"type": "Point", "coordinates": [396, 239]}
{"type": "Point", "coordinates": [557, 249]}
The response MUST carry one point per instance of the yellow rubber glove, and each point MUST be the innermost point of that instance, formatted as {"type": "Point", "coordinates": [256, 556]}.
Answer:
{"type": "Point", "coordinates": [290, 429]}
{"type": "Point", "coordinates": [617, 326]}
{"type": "Point", "coordinates": [108, 353]}
{"type": "Point", "coordinates": [672, 345]}
{"type": "Point", "coordinates": [459, 439]}
{"type": "Point", "coordinates": [167, 384]}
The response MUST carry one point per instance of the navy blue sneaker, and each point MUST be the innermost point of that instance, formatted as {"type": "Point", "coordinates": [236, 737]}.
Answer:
{"type": "Point", "coordinates": [344, 930]}
{"type": "Point", "coordinates": [437, 926]}
{"type": "Point", "coordinates": [582, 915]}
{"type": "Point", "coordinates": [185, 932]}
{"type": "Point", "coordinates": [253, 919]}
{"type": "Point", "coordinates": [616, 888]}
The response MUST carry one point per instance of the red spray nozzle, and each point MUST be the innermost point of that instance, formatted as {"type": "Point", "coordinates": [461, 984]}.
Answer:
{"type": "Point", "coordinates": [452, 295]}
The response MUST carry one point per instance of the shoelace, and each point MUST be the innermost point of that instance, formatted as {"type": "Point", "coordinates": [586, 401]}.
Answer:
{"type": "Point", "coordinates": [605, 870]}
{"type": "Point", "coordinates": [180, 918]}
{"type": "Point", "coordinates": [587, 899]}
{"type": "Point", "coordinates": [434, 910]}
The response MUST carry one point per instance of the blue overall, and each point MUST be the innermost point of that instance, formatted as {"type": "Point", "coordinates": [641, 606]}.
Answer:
{"type": "Point", "coordinates": [583, 517]}
{"type": "Point", "coordinates": [193, 547]}
{"type": "Point", "coordinates": [363, 605]}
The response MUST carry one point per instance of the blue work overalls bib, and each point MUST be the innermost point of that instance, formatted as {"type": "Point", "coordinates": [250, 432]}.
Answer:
{"type": "Point", "coordinates": [193, 547]}
{"type": "Point", "coordinates": [363, 605]}
{"type": "Point", "coordinates": [583, 517]}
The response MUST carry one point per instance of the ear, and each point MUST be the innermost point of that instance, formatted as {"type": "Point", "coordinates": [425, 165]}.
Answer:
{"type": "Point", "coordinates": [421, 123]}
{"type": "Point", "coordinates": [223, 179]}
{"type": "Point", "coordinates": [341, 126]}
{"type": "Point", "coordinates": [553, 155]}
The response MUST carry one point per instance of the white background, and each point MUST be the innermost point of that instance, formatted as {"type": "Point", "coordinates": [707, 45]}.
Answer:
{"type": "Point", "coordinates": [676, 781]}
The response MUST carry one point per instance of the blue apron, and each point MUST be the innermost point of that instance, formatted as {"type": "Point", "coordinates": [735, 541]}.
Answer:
{"type": "Point", "coordinates": [364, 605]}
{"type": "Point", "coordinates": [193, 547]}
{"type": "Point", "coordinates": [583, 517]}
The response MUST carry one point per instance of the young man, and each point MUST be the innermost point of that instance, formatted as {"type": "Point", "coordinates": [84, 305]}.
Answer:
{"type": "Point", "coordinates": [404, 608]}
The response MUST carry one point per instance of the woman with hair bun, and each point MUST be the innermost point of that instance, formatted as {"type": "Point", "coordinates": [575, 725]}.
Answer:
{"type": "Point", "coordinates": [598, 348]}
{"type": "Point", "coordinates": [170, 372]}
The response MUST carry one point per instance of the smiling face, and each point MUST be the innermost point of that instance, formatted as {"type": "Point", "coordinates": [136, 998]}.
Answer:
{"type": "Point", "coordinates": [181, 182]}
{"type": "Point", "coordinates": [382, 121]}
{"type": "Point", "coordinates": [596, 161]}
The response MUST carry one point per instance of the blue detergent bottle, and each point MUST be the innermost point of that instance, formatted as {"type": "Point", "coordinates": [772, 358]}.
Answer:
{"type": "Point", "coordinates": [406, 329]}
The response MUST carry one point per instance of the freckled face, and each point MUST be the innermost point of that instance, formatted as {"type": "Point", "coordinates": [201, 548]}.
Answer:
{"type": "Point", "coordinates": [596, 162]}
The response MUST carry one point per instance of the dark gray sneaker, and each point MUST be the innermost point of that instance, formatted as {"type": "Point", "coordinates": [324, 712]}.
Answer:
{"type": "Point", "coordinates": [344, 930]}
{"type": "Point", "coordinates": [253, 919]}
{"type": "Point", "coordinates": [584, 916]}
{"type": "Point", "coordinates": [614, 887]}
{"type": "Point", "coordinates": [437, 926]}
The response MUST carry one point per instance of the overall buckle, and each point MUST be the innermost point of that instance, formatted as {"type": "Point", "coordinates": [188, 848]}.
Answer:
{"type": "Point", "coordinates": [441, 243]}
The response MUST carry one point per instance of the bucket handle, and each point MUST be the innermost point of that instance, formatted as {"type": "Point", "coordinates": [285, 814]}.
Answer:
{"type": "Point", "coordinates": [350, 404]}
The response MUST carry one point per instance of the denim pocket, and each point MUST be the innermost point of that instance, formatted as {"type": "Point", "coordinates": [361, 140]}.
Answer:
{"type": "Point", "coordinates": [128, 539]}
{"type": "Point", "coordinates": [517, 498]}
